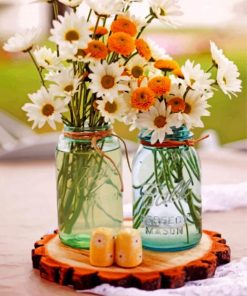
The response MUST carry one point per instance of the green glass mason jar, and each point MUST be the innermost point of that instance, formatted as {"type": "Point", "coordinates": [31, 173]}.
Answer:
{"type": "Point", "coordinates": [167, 193]}
{"type": "Point", "coordinates": [88, 184]}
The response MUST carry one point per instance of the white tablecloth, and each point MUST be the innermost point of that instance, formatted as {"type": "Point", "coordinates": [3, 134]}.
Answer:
{"type": "Point", "coordinates": [28, 210]}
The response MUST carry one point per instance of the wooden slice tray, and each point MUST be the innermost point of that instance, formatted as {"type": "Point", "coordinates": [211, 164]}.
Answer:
{"type": "Point", "coordinates": [67, 266]}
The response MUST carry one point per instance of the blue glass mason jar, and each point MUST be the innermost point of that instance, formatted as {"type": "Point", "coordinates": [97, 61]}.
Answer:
{"type": "Point", "coordinates": [167, 193]}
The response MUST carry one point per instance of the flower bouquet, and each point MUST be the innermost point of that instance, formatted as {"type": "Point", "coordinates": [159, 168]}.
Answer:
{"type": "Point", "coordinates": [103, 70]}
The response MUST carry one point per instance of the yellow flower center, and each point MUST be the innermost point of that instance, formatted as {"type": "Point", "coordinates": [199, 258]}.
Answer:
{"type": "Point", "coordinates": [137, 71]}
{"type": "Point", "coordinates": [224, 79]}
{"type": "Point", "coordinates": [187, 109]}
{"type": "Point", "coordinates": [48, 110]}
{"type": "Point", "coordinates": [162, 12]}
{"type": "Point", "coordinates": [111, 107]}
{"type": "Point", "coordinates": [107, 81]}
{"type": "Point", "coordinates": [69, 88]}
{"type": "Point", "coordinates": [160, 121]}
{"type": "Point", "coordinates": [47, 62]}
{"type": "Point", "coordinates": [80, 53]}
{"type": "Point", "coordinates": [192, 81]}
{"type": "Point", "coordinates": [72, 35]}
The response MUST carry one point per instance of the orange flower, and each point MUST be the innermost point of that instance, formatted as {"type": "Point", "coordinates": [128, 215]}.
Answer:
{"type": "Point", "coordinates": [142, 98]}
{"type": "Point", "coordinates": [178, 73]}
{"type": "Point", "coordinates": [177, 104]}
{"type": "Point", "coordinates": [100, 31]}
{"type": "Point", "coordinates": [121, 43]}
{"type": "Point", "coordinates": [160, 85]}
{"type": "Point", "coordinates": [166, 65]}
{"type": "Point", "coordinates": [97, 49]}
{"type": "Point", "coordinates": [124, 25]}
{"type": "Point", "coordinates": [143, 49]}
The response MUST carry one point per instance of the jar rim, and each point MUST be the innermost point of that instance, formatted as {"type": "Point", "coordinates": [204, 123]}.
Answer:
{"type": "Point", "coordinates": [179, 134]}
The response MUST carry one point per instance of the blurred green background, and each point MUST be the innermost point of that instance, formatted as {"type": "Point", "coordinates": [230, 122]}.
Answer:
{"type": "Point", "coordinates": [228, 118]}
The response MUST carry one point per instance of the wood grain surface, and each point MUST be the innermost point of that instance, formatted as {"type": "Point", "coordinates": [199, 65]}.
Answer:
{"type": "Point", "coordinates": [67, 266]}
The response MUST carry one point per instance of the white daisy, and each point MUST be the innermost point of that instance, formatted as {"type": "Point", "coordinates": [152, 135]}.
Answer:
{"type": "Point", "coordinates": [195, 107]}
{"type": "Point", "coordinates": [217, 54]}
{"type": "Point", "coordinates": [22, 41]}
{"type": "Point", "coordinates": [71, 3]}
{"type": "Point", "coordinates": [153, 72]}
{"type": "Point", "coordinates": [65, 83]}
{"type": "Point", "coordinates": [178, 88]}
{"type": "Point", "coordinates": [137, 66]}
{"type": "Point", "coordinates": [130, 116]}
{"type": "Point", "coordinates": [106, 7]}
{"type": "Point", "coordinates": [74, 53]}
{"type": "Point", "coordinates": [158, 53]}
{"type": "Point", "coordinates": [46, 58]}
{"type": "Point", "coordinates": [158, 121]}
{"type": "Point", "coordinates": [227, 72]}
{"type": "Point", "coordinates": [165, 10]}
{"type": "Point", "coordinates": [227, 79]}
{"type": "Point", "coordinates": [45, 108]}
{"type": "Point", "coordinates": [195, 77]}
{"type": "Point", "coordinates": [68, 52]}
{"type": "Point", "coordinates": [49, 76]}
{"type": "Point", "coordinates": [180, 92]}
{"type": "Point", "coordinates": [70, 29]}
{"type": "Point", "coordinates": [112, 109]}
{"type": "Point", "coordinates": [107, 80]}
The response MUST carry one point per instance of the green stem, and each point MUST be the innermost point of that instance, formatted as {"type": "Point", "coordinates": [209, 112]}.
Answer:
{"type": "Point", "coordinates": [56, 12]}
{"type": "Point", "coordinates": [73, 110]}
{"type": "Point", "coordinates": [55, 9]}
{"type": "Point", "coordinates": [196, 219]}
{"type": "Point", "coordinates": [38, 69]}
{"type": "Point", "coordinates": [130, 57]}
{"type": "Point", "coordinates": [114, 58]}
{"type": "Point", "coordinates": [85, 97]}
{"type": "Point", "coordinates": [179, 206]}
{"type": "Point", "coordinates": [126, 8]}
{"type": "Point", "coordinates": [89, 189]}
{"type": "Point", "coordinates": [210, 68]}
{"type": "Point", "coordinates": [89, 15]}
{"type": "Point", "coordinates": [158, 183]}
{"type": "Point", "coordinates": [107, 214]}
{"type": "Point", "coordinates": [186, 92]}
{"type": "Point", "coordinates": [144, 27]}
{"type": "Point", "coordinates": [65, 120]}
{"type": "Point", "coordinates": [148, 179]}
{"type": "Point", "coordinates": [79, 106]}
{"type": "Point", "coordinates": [190, 165]}
{"type": "Point", "coordinates": [96, 26]}
{"type": "Point", "coordinates": [186, 224]}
